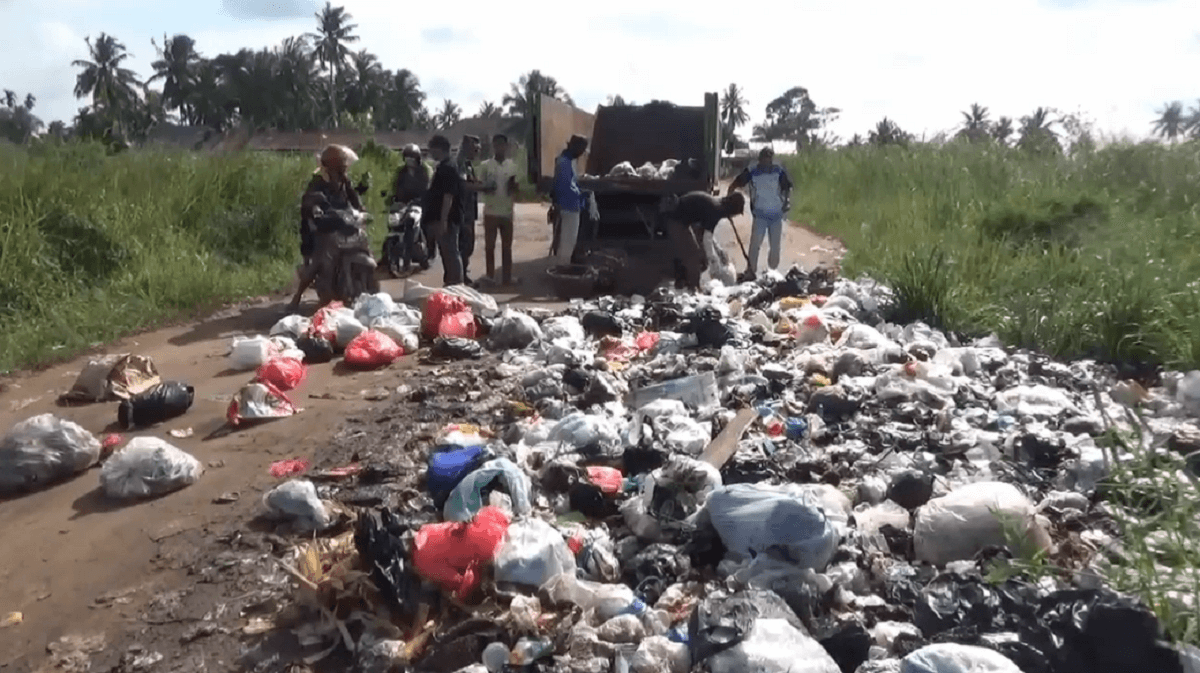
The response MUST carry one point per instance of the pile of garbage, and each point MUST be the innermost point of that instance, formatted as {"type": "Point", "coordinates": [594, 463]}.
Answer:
{"type": "Point", "coordinates": [766, 476]}
{"type": "Point", "coordinates": [651, 171]}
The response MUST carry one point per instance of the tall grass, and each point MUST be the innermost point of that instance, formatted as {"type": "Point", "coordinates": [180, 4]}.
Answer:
{"type": "Point", "coordinates": [1092, 255]}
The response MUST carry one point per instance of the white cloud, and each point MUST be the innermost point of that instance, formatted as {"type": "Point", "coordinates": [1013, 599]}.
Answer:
{"type": "Point", "coordinates": [1116, 60]}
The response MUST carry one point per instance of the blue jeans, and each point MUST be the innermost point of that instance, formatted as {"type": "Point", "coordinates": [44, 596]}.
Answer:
{"type": "Point", "coordinates": [771, 227]}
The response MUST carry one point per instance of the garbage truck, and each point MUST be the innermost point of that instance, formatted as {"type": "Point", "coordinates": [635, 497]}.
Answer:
{"type": "Point", "coordinates": [630, 206]}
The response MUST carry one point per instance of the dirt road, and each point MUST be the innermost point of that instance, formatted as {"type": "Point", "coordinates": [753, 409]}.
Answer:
{"type": "Point", "coordinates": [77, 565]}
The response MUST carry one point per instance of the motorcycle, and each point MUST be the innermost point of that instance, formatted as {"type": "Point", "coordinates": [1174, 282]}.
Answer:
{"type": "Point", "coordinates": [352, 269]}
{"type": "Point", "coordinates": [405, 243]}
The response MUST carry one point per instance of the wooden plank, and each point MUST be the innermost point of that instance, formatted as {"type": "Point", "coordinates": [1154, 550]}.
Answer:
{"type": "Point", "coordinates": [724, 445]}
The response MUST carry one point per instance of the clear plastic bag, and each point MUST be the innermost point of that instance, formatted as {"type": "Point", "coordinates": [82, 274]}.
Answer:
{"type": "Point", "coordinates": [146, 467]}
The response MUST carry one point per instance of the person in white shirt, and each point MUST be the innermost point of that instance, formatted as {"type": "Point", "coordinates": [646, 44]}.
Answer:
{"type": "Point", "coordinates": [498, 176]}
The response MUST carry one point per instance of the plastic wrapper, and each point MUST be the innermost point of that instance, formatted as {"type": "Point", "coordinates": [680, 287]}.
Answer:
{"type": "Point", "coordinates": [259, 402]}
{"type": "Point", "coordinates": [113, 377]}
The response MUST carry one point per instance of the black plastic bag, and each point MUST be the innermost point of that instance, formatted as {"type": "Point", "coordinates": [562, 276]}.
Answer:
{"type": "Point", "coordinates": [849, 645]}
{"type": "Point", "coordinates": [1099, 630]}
{"type": "Point", "coordinates": [654, 569]}
{"type": "Point", "coordinates": [718, 624]}
{"type": "Point", "coordinates": [380, 543]}
{"type": "Point", "coordinates": [709, 329]}
{"type": "Point", "coordinates": [163, 402]}
{"type": "Point", "coordinates": [316, 349]}
{"type": "Point", "coordinates": [600, 324]}
{"type": "Point", "coordinates": [455, 348]}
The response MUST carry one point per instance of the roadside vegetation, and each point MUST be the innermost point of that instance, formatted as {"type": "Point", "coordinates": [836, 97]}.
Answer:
{"type": "Point", "coordinates": [1087, 254]}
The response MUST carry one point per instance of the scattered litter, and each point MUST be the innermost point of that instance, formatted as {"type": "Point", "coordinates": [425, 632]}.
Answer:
{"type": "Point", "coordinates": [289, 468]}
{"type": "Point", "coordinates": [259, 402]}
{"type": "Point", "coordinates": [113, 377]}
{"type": "Point", "coordinates": [12, 619]}
{"type": "Point", "coordinates": [181, 433]}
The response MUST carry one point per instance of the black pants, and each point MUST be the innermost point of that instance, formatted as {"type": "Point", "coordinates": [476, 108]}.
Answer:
{"type": "Point", "coordinates": [466, 245]}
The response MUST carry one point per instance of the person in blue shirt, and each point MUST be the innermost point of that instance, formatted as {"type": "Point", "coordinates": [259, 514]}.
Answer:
{"type": "Point", "coordinates": [568, 200]}
{"type": "Point", "coordinates": [770, 200]}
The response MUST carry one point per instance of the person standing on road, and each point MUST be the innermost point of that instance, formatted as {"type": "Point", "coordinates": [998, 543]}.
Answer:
{"type": "Point", "coordinates": [443, 209]}
{"type": "Point", "coordinates": [568, 200]}
{"type": "Point", "coordinates": [468, 151]}
{"type": "Point", "coordinates": [499, 178]}
{"type": "Point", "coordinates": [692, 216]}
{"type": "Point", "coordinates": [770, 200]}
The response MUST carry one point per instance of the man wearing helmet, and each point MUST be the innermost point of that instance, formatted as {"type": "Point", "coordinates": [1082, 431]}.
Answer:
{"type": "Point", "coordinates": [413, 177]}
{"type": "Point", "coordinates": [329, 189]}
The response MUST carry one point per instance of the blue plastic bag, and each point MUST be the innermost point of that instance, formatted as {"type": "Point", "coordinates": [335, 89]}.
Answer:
{"type": "Point", "coordinates": [447, 467]}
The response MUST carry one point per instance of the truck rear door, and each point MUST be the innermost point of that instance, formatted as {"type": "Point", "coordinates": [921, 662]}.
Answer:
{"type": "Point", "coordinates": [552, 125]}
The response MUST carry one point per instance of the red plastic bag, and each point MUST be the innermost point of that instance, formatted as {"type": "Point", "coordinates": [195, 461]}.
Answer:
{"type": "Point", "coordinates": [438, 305]}
{"type": "Point", "coordinates": [289, 468]}
{"type": "Point", "coordinates": [258, 401]}
{"type": "Point", "coordinates": [283, 373]}
{"type": "Point", "coordinates": [322, 326]}
{"type": "Point", "coordinates": [372, 349]}
{"type": "Point", "coordinates": [609, 480]}
{"type": "Point", "coordinates": [451, 554]}
{"type": "Point", "coordinates": [459, 325]}
{"type": "Point", "coordinates": [647, 340]}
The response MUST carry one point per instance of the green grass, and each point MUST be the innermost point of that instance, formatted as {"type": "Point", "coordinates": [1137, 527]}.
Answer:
{"type": "Point", "coordinates": [1094, 255]}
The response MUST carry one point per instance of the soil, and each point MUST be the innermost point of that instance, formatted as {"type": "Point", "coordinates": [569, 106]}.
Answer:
{"type": "Point", "coordinates": [171, 584]}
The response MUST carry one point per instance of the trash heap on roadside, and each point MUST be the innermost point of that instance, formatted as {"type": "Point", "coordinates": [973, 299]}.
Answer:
{"type": "Point", "coordinates": [763, 477]}
{"type": "Point", "coordinates": [760, 477]}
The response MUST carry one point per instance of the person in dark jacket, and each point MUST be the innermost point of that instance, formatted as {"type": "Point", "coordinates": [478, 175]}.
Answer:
{"type": "Point", "coordinates": [691, 216]}
{"type": "Point", "coordinates": [328, 189]}
{"type": "Point", "coordinates": [468, 152]}
{"type": "Point", "coordinates": [412, 178]}
{"type": "Point", "coordinates": [443, 209]}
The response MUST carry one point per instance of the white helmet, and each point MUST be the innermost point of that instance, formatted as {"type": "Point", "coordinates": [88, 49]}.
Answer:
{"type": "Point", "coordinates": [411, 150]}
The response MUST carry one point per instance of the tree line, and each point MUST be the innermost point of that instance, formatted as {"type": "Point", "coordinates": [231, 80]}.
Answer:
{"type": "Point", "coordinates": [317, 80]}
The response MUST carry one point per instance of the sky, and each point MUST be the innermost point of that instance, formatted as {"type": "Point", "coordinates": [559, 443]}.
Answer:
{"type": "Point", "coordinates": [1114, 61]}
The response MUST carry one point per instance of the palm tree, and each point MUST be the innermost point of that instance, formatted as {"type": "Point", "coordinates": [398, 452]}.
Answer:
{"type": "Point", "coordinates": [1193, 121]}
{"type": "Point", "coordinates": [405, 100]}
{"type": "Point", "coordinates": [1171, 122]}
{"type": "Point", "coordinates": [448, 116]}
{"type": "Point", "coordinates": [209, 100]}
{"type": "Point", "coordinates": [975, 123]}
{"type": "Point", "coordinates": [489, 110]}
{"type": "Point", "coordinates": [1002, 130]}
{"type": "Point", "coordinates": [1037, 131]}
{"type": "Point", "coordinates": [30, 101]}
{"type": "Point", "coordinates": [111, 86]}
{"type": "Point", "coordinates": [10, 98]}
{"type": "Point", "coordinates": [522, 94]}
{"type": "Point", "coordinates": [733, 108]}
{"type": "Point", "coordinates": [366, 84]}
{"type": "Point", "coordinates": [334, 32]}
{"type": "Point", "coordinates": [888, 132]}
{"type": "Point", "coordinates": [176, 65]}
{"type": "Point", "coordinates": [616, 100]}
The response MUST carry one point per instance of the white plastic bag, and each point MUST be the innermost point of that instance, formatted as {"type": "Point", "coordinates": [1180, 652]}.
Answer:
{"type": "Point", "coordinates": [774, 646]}
{"type": "Point", "coordinates": [293, 327]}
{"type": "Point", "coordinates": [297, 501]}
{"type": "Point", "coordinates": [247, 353]}
{"type": "Point", "coordinates": [955, 658]}
{"type": "Point", "coordinates": [533, 553]}
{"type": "Point", "coordinates": [370, 307]}
{"type": "Point", "coordinates": [514, 329]}
{"type": "Point", "coordinates": [408, 336]}
{"type": "Point", "coordinates": [564, 327]}
{"type": "Point", "coordinates": [42, 450]}
{"type": "Point", "coordinates": [956, 526]}
{"type": "Point", "coordinates": [481, 304]}
{"type": "Point", "coordinates": [579, 429]}
{"type": "Point", "coordinates": [656, 654]}
{"type": "Point", "coordinates": [346, 326]}
{"type": "Point", "coordinates": [148, 466]}
{"type": "Point", "coordinates": [466, 499]}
